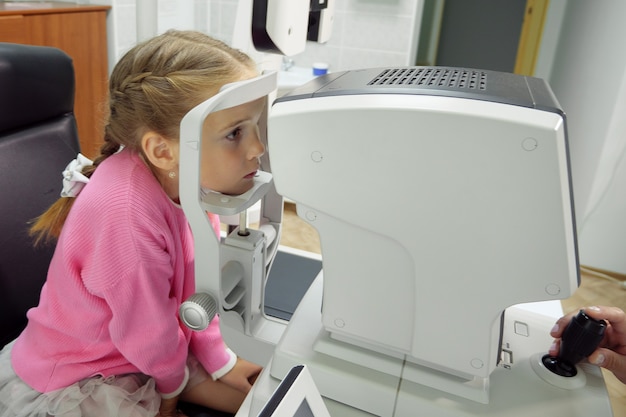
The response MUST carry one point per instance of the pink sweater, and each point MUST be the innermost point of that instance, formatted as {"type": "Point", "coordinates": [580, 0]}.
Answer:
{"type": "Point", "coordinates": [122, 266]}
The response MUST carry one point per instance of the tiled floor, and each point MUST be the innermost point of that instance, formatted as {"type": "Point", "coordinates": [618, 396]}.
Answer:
{"type": "Point", "coordinates": [297, 233]}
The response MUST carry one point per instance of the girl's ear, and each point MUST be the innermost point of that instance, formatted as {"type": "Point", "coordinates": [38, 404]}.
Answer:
{"type": "Point", "coordinates": [160, 151]}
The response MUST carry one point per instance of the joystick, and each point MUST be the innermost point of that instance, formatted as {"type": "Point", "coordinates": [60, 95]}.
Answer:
{"type": "Point", "coordinates": [581, 337]}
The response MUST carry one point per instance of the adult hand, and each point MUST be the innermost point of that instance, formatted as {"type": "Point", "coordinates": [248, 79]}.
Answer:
{"type": "Point", "coordinates": [242, 376]}
{"type": "Point", "coordinates": [611, 354]}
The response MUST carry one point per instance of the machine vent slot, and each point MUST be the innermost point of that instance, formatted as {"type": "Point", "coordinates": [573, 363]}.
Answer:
{"type": "Point", "coordinates": [432, 77]}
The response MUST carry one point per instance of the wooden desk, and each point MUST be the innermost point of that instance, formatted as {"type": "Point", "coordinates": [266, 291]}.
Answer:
{"type": "Point", "coordinates": [80, 31]}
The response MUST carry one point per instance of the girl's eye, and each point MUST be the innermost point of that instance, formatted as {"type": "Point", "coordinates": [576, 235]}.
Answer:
{"type": "Point", "coordinates": [234, 134]}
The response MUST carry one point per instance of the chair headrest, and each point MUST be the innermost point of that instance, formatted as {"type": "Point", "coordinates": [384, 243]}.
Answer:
{"type": "Point", "coordinates": [37, 84]}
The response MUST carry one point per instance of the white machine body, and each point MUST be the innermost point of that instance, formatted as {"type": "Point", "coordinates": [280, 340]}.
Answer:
{"type": "Point", "coordinates": [435, 214]}
{"type": "Point", "coordinates": [442, 198]}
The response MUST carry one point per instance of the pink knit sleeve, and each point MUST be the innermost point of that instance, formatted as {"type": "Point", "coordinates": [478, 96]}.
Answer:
{"type": "Point", "coordinates": [210, 349]}
{"type": "Point", "coordinates": [208, 345]}
{"type": "Point", "coordinates": [144, 326]}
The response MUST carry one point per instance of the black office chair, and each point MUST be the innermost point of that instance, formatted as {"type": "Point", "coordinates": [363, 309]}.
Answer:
{"type": "Point", "coordinates": [38, 138]}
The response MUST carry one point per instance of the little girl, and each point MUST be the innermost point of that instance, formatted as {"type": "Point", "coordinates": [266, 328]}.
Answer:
{"type": "Point", "coordinates": [105, 339]}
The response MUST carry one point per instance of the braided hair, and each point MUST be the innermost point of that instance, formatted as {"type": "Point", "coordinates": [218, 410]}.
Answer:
{"type": "Point", "coordinates": [151, 88]}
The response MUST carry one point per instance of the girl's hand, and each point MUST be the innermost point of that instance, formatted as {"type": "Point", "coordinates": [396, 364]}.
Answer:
{"type": "Point", "coordinates": [611, 354]}
{"type": "Point", "coordinates": [168, 408]}
{"type": "Point", "coordinates": [242, 376]}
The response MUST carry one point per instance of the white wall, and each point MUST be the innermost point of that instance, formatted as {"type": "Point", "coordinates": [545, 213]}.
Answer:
{"type": "Point", "coordinates": [131, 21]}
{"type": "Point", "coordinates": [366, 33]}
{"type": "Point", "coordinates": [588, 76]}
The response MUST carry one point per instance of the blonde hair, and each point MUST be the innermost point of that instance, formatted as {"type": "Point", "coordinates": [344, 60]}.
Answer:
{"type": "Point", "coordinates": [151, 88]}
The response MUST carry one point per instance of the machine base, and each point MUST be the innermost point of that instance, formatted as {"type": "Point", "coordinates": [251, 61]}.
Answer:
{"type": "Point", "coordinates": [515, 389]}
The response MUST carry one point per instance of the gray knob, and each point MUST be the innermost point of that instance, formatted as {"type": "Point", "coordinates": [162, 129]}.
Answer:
{"type": "Point", "coordinates": [198, 311]}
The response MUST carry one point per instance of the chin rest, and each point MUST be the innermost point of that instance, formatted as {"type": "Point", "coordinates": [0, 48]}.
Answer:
{"type": "Point", "coordinates": [38, 138]}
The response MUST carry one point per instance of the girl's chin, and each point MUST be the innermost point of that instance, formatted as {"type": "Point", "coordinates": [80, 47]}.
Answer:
{"type": "Point", "coordinates": [246, 185]}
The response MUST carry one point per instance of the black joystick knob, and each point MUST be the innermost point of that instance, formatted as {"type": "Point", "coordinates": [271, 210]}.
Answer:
{"type": "Point", "coordinates": [581, 337]}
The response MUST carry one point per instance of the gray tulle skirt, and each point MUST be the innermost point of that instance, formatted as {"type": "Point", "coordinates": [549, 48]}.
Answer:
{"type": "Point", "coordinates": [132, 395]}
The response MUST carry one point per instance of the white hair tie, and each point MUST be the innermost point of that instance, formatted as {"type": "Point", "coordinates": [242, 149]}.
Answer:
{"type": "Point", "coordinates": [73, 178]}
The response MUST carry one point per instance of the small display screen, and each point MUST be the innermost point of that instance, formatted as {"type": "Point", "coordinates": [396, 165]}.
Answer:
{"type": "Point", "coordinates": [304, 410]}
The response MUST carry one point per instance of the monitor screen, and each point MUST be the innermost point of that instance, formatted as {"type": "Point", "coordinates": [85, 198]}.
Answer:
{"type": "Point", "coordinates": [296, 396]}
{"type": "Point", "coordinates": [304, 410]}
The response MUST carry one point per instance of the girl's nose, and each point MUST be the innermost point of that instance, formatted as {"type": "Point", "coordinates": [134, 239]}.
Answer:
{"type": "Point", "coordinates": [257, 148]}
